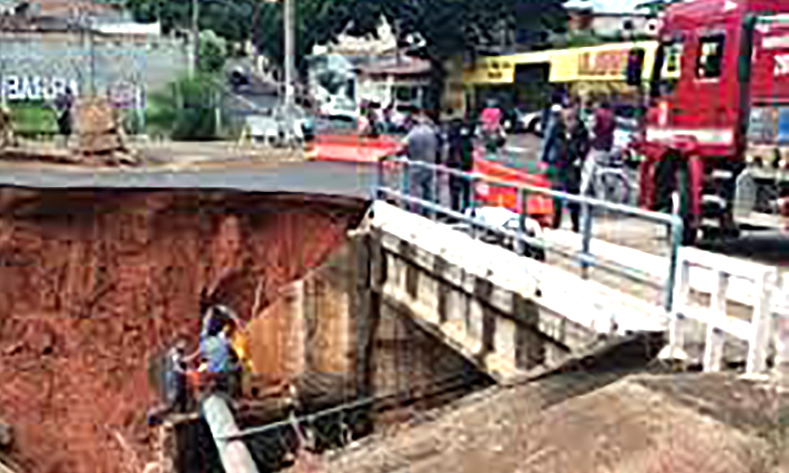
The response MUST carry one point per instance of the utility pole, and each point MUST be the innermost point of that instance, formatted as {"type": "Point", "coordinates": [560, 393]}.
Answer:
{"type": "Point", "coordinates": [290, 53]}
{"type": "Point", "coordinates": [195, 38]}
{"type": "Point", "coordinates": [92, 57]}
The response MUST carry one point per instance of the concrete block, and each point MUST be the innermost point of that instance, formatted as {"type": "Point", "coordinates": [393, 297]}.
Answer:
{"type": "Point", "coordinates": [476, 319]}
{"type": "Point", "coordinates": [456, 306]}
{"type": "Point", "coordinates": [504, 339]}
{"type": "Point", "coordinates": [429, 289]}
{"type": "Point", "coordinates": [396, 268]}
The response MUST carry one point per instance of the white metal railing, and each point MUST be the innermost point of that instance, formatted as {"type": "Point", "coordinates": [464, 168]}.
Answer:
{"type": "Point", "coordinates": [756, 332]}
{"type": "Point", "coordinates": [402, 192]}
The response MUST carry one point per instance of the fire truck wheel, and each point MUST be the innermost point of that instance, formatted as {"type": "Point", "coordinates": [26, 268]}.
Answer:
{"type": "Point", "coordinates": [711, 234]}
{"type": "Point", "coordinates": [672, 175]}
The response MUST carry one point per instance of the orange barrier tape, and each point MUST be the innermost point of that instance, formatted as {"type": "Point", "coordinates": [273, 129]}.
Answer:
{"type": "Point", "coordinates": [492, 195]}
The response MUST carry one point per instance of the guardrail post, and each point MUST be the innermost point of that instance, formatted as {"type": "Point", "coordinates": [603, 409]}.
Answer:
{"type": "Point", "coordinates": [472, 202]}
{"type": "Point", "coordinates": [675, 239]}
{"type": "Point", "coordinates": [586, 242]}
{"type": "Point", "coordinates": [437, 174]}
{"type": "Point", "coordinates": [379, 179]}
{"type": "Point", "coordinates": [782, 334]}
{"type": "Point", "coordinates": [760, 323]}
{"type": "Point", "coordinates": [713, 347]}
{"type": "Point", "coordinates": [436, 191]}
{"type": "Point", "coordinates": [523, 214]}
{"type": "Point", "coordinates": [676, 337]}
{"type": "Point", "coordinates": [406, 183]}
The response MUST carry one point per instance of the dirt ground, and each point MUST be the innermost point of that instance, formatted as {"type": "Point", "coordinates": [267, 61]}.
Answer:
{"type": "Point", "coordinates": [94, 283]}
{"type": "Point", "coordinates": [638, 424]}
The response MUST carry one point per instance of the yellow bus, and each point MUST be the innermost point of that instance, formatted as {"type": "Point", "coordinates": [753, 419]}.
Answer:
{"type": "Point", "coordinates": [527, 80]}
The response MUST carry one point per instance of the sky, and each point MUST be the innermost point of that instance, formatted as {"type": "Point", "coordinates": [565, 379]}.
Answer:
{"type": "Point", "coordinates": [609, 5]}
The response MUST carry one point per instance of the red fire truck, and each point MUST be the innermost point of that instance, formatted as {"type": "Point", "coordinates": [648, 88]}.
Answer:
{"type": "Point", "coordinates": [717, 129]}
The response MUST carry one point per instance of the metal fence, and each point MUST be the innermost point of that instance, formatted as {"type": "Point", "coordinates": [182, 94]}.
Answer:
{"type": "Point", "coordinates": [404, 194]}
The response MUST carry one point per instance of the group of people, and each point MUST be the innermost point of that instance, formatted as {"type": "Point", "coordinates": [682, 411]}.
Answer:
{"type": "Point", "coordinates": [374, 120]}
{"type": "Point", "coordinates": [452, 146]}
{"type": "Point", "coordinates": [221, 358]}
{"type": "Point", "coordinates": [572, 152]}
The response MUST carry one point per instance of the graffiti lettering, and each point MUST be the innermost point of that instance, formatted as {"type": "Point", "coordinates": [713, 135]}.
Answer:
{"type": "Point", "coordinates": [22, 88]}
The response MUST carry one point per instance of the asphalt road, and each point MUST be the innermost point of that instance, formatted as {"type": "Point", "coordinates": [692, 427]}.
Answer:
{"type": "Point", "coordinates": [187, 169]}
{"type": "Point", "coordinates": [338, 179]}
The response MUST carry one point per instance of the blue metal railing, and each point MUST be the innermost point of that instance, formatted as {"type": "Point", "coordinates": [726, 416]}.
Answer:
{"type": "Point", "coordinates": [584, 257]}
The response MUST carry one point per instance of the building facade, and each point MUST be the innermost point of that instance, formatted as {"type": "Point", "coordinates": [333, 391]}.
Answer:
{"type": "Point", "coordinates": [41, 56]}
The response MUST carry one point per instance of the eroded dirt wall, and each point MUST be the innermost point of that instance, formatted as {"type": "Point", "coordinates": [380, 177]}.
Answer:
{"type": "Point", "coordinates": [93, 283]}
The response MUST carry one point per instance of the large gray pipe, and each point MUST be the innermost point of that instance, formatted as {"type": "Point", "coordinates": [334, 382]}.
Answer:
{"type": "Point", "coordinates": [233, 453]}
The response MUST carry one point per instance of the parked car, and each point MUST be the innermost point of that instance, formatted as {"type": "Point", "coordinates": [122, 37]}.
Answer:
{"type": "Point", "coordinates": [339, 108]}
{"type": "Point", "coordinates": [532, 122]}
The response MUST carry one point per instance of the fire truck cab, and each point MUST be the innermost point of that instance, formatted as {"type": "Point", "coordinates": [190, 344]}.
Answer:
{"type": "Point", "coordinates": [717, 127]}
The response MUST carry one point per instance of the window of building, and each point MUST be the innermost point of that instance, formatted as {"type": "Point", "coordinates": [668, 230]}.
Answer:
{"type": "Point", "coordinates": [710, 59]}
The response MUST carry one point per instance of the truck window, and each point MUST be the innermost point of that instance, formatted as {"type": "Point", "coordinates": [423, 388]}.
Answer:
{"type": "Point", "coordinates": [710, 58]}
{"type": "Point", "coordinates": [672, 65]}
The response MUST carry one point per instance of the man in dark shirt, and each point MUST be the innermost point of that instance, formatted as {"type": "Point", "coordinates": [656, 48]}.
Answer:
{"type": "Point", "coordinates": [63, 104]}
{"type": "Point", "coordinates": [460, 157]}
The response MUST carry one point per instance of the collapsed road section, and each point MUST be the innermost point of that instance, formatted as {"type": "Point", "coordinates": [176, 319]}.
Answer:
{"type": "Point", "coordinates": [94, 282]}
{"type": "Point", "coordinates": [98, 283]}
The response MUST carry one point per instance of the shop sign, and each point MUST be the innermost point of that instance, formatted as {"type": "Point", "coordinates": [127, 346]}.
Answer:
{"type": "Point", "coordinates": [612, 63]}
{"type": "Point", "coordinates": [24, 88]}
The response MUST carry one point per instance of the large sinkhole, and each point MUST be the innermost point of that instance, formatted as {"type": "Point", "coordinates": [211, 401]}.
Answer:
{"type": "Point", "coordinates": [95, 284]}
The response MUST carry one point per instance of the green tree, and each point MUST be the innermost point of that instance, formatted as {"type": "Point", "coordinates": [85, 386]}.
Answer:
{"type": "Point", "coordinates": [448, 27]}
{"type": "Point", "coordinates": [444, 28]}
{"type": "Point", "coordinates": [212, 53]}
{"type": "Point", "coordinates": [184, 110]}
{"type": "Point", "coordinates": [655, 7]}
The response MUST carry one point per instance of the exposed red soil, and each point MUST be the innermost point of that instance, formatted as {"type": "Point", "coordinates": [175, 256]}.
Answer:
{"type": "Point", "coordinates": [94, 283]}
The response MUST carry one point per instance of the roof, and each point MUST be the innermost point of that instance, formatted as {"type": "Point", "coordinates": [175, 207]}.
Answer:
{"type": "Point", "coordinates": [67, 7]}
{"type": "Point", "coordinates": [606, 6]}
{"type": "Point", "coordinates": [35, 24]}
{"type": "Point", "coordinates": [407, 67]}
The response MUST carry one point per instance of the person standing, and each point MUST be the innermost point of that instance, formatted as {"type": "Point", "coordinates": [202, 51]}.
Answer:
{"type": "Point", "coordinates": [455, 161]}
{"type": "Point", "coordinates": [602, 143]}
{"type": "Point", "coordinates": [422, 146]}
{"type": "Point", "coordinates": [492, 131]}
{"type": "Point", "coordinates": [388, 119]}
{"type": "Point", "coordinates": [63, 105]}
{"type": "Point", "coordinates": [175, 378]}
{"type": "Point", "coordinates": [570, 170]}
{"type": "Point", "coordinates": [554, 154]}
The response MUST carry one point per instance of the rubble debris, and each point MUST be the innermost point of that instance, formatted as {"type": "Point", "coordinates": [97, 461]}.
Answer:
{"type": "Point", "coordinates": [7, 135]}
{"type": "Point", "coordinates": [100, 139]}
{"type": "Point", "coordinates": [110, 277]}
{"type": "Point", "coordinates": [100, 134]}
